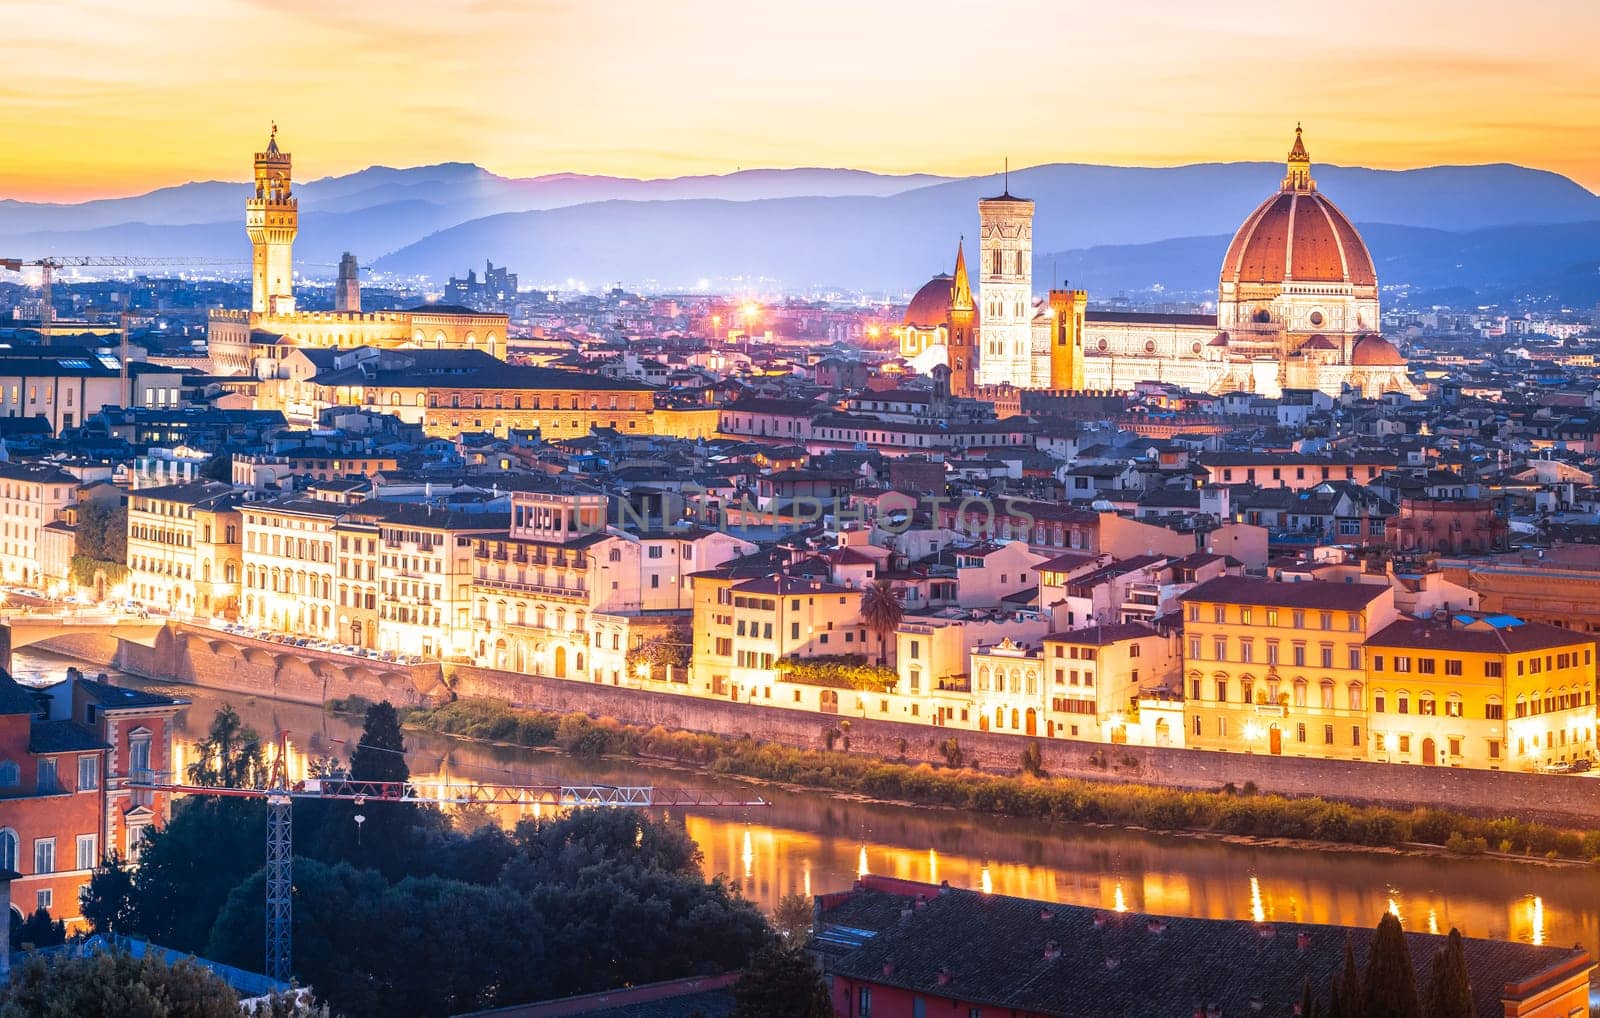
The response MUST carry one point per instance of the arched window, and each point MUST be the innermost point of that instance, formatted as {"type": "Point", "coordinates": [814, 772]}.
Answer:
{"type": "Point", "coordinates": [1357, 696]}
{"type": "Point", "coordinates": [10, 777]}
{"type": "Point", "coordinates": [8, 850]}
{"type": "Point", "coordinates": [983, 679]}
{"type": "Point", "coordinates": [1300, 692]}
{"type": "Point", "coordinates": [1327, 694]}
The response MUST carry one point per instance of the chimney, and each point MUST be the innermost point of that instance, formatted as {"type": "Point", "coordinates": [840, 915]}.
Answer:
{"type": "Point", "coordinates": [944, 977]}
{"type": "Point", "coordinates": [1099, 920]}
{"type": "Point", "coordinates": [888, 968]}
{"type": "Point", "coordinates": [1045, 915]}
{"type": "Point", "coordinates": [1256, 1003]}
{"type": "Point", "coordinates": [1156, 926]}
{"type": "Point", "coordinates": [1051, 951]}
{"type": "Point", "coordinates": [1302, 942]}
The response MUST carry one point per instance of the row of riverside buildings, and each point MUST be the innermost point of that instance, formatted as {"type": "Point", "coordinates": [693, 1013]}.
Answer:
{"type": "Point", "coordinates": [1056, 633]}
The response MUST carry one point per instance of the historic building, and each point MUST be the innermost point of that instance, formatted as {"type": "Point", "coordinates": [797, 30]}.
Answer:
{"type": "Point", "coordinates": [252, 342]}
{"type": "Point", "coordinates": [1297, 308]}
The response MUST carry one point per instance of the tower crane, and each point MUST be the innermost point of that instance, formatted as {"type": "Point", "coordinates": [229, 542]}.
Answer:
{"type": "Point", "coordinates": [48, 266]}
{"type": "Point", "coordinates": [280, 795]}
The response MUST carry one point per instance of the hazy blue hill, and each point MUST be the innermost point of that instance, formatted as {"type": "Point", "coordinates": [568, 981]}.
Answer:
{"type": "Point", "coordinates": [323, 236]}
{"type": "Point", "coordinates": [1494, 263]}
{"type": "Point", "coordinates": [806, 227]}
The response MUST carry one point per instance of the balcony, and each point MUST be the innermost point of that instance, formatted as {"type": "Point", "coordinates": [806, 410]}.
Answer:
{"type": "Point", "coordinates": [540, 589]}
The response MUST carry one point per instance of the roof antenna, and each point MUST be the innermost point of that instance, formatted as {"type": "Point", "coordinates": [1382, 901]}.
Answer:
{"type": "Point", "coordinates": [1008, 175]}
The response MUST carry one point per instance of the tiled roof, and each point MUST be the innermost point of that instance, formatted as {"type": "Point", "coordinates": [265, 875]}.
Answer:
{"type": "Point", "coordinates": [1416, 634]}
{"type": "Point", "coordinates": [15, 698]}
{"type": "Point", "coordinates": [61, 737]}
{"type": "Point", "coordinates": [1049, 959]}
{"type": "Point", "coordinates": [1308, 594]}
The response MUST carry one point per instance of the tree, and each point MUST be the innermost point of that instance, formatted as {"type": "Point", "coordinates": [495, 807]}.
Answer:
{"type": "Point", "coordinates": [109, 901]}
{"type": "Point", "coordinates": [231, 754]}
{"type": "Point", "coordinates": [881, 611]}
{"type": "Point", "coordinates": [113, 984]}
{"type": "Point", "coordinates": [792, 919]}
{"type": "Point", "coordinates": [38, 930]}
{"type": "Point", "coordinates": [218, 468]}
{"type": "Point", "coordinates": [103, 531]}
{"type": "Point", "coordinates": [781, 983]}
{"type": "Point", "coordinates": [1308, 1002]}
{"type": "Point", "coordinates": [1391, 981]}
{"type": "Point", "coordinates": [187, 868]}
{"type": "Point", "coordinates": [663, 657]}
{"type": "Point", "coordinates": [381, 753]}
{"type": "Point", "coordinates": [1349, 992]}
{"type": "Point", "coordinates": [1450, 991]}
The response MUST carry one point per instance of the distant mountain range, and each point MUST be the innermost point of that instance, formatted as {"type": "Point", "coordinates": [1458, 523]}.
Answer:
{"type": "Point", "coordinates": [1474, 230]}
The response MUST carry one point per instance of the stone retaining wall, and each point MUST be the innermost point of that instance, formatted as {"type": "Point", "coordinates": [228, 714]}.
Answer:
{"type": "Point", "coordinates": [1555, 798]}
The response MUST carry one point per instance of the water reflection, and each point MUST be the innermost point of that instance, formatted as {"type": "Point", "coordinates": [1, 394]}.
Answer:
{"type": "Point", "coordinates": [809, 843]}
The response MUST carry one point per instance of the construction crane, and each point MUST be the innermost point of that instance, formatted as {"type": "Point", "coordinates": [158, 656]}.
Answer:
{"type": "Point", "coordinates": [49, 265]}
{"type": "Point", "coordinates": [280, 794]}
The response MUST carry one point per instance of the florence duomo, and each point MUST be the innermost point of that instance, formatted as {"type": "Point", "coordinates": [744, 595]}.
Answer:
{"type": "Point", "coordinates": [1297, 308]}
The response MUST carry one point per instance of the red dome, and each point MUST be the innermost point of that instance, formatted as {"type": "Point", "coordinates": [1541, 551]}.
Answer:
{"type": "Point", "coordinates": [1298, 236]}
{"type": "Point", "coordinates": [1374, 351]}
{"type": "Point", "coordinates": [930, 308]}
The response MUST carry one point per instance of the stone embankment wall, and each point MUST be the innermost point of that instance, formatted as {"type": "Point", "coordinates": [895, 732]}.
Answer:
{"type": "Point", "coordinates": [205, 657]}
{"type": "Point", "coordinates": [1556, 798]}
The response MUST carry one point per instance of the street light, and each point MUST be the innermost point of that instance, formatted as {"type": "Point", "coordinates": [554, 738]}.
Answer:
{"type": "Point", "coordinates": [1391, 743]}
{"type": "Point", "coordinates": [1252, 734]}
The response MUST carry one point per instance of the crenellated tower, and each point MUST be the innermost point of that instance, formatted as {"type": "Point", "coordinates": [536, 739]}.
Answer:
{"type": "Point", "coordinates": [1067, 308]}
{"type": "Point", "coordinates": [963, 329]}
{"type": "Point", "coordinates": [272, 218]}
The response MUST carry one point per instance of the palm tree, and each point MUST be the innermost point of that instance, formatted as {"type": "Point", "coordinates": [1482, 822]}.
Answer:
{"type": "Point", "coordinates": [881, 611]}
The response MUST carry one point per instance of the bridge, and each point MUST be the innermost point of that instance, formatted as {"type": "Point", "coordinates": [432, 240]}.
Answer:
{"type": "Point", "coordinates": [24, 629]}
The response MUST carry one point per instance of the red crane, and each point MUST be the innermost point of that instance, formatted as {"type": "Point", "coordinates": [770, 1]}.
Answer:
{"type": "Point", "coordinates": [280, 794]}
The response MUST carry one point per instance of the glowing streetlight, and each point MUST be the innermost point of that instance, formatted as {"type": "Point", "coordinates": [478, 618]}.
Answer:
{"type": "Point", "coordinates": [642, 669]}
{"type": "Point", "coordinates": [1252, 735]}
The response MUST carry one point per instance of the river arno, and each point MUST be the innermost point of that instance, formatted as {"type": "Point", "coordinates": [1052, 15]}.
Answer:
{"type": "Point", "coordinates": [807, 843]}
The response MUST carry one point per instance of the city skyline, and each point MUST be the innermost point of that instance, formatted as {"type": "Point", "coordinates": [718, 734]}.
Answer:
{"type": "Point", "coordinates": [528, 90]}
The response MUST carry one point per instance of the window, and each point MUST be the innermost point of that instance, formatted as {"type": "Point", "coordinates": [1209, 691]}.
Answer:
{"type": "Point", "coordinates": [8, 846]}
{"type": "Point", "coordinates": [1355, 660]}
{"type": "Point", "coordinates": [1426, 706]}
{"type": "Point", "coordinates": [1327, 620]}
{"type": "Point", "coordinates": [1222, 690]}
{"type": "Point", "coordinates": [1403, 703]}
{"type": "Point", "coordinates": [1219, 614]}
{"type": "Point", "coordinates": [1327, 735]}
{"type": "Point", "coordinates": [1299, 655]}
{"type": "Point", "coordinates": [1402, 664]}
{"type": "Point", "coordinates": [88, 773]}
{"type": "Point", "coordinates": [1453, 707]}
{"type": "Point", "coordinates": [9, 778]}
{"type": "Point", "coordinates": [1247, 650]}
{"type": "Point", "coordinates": [1494, 710]}
{"type": "Point", "coordinates": [1245, 615]}
{"type": "Point", "coordinates": [865, 1009]}
{"type": "Point", "coordinates": [48, 781]}
{"type": "Point", "coordinates": [1379, 702]}
{"type": "Point", "coordinates": [44, 855]}
{"type": "Point", "coordinates": [1493, 670]}
{"type": "Point", "coordinates": [87, 858]}
{"type": "Point", "coordinates": [1426, 665]}
{"type": "Point", "coordinates": [1452, 666]}
{"type": "Point", "coordinates": [1355, 735]}
{"type": "Point", "coordinates": [1194, 649]}
{"type": "Point", "coordinates": [1272, 616]}
{"type": "Point", "coordinates": [1405, 743]}
{"type": "Point", "coordinates": [45, 899]}
{"type": "Point", "coordinates": [1221, 647]}
{"type": "Point", "coordinates": [1327, 694]}
{"type": "Point", "coordinates": [1299, 618]}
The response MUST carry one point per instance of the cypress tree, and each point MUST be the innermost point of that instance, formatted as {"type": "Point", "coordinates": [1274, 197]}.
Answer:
{"type": "Point", "coordinates": [1308, 1002]}
{"type": "Point", "coordinates": [1350, 990]}
{"type": "Point", "coordinates": [1391, 982]}
{"type": "Point", "coordinates": [1449, 991]}
{"type": "Point", "coordinates": [1335, 1005]}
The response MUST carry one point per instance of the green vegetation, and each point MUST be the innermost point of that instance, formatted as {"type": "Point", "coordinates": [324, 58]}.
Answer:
{"type": "Point", "coordinates": [663, 655]}
{"type": "Point", "coordinates": [115, 985]}
{"type": "Point", "coordinates": [842, 671]}
{"type": "Point", "coordinates": [781, 982]}
{"type": "Point", "coordinates": [1059, 799]}
{"type": "Point", "coordinates": [583, 902]}
{"type": "Point", "coordinates": [102, 543]}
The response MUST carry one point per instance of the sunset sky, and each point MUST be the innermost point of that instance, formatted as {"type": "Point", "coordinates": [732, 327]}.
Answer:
{"type": "Point", "coordinates": [105, 97]}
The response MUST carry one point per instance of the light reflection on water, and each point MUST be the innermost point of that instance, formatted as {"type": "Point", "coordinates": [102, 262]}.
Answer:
{"type": "Point", "coordinates": [811, 843]}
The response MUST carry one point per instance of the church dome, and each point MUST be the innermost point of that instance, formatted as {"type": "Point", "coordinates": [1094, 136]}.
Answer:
{"type": "Point", "coordinates": [1374, 351]}
{"type": "Point", "coordinates": [1298, 236]}
{"type": "Point", "coordinates": [930, 308]}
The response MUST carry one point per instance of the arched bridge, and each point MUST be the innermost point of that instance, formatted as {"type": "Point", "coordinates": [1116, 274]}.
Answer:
{"type": "Point", "coordinates": [23, 630]}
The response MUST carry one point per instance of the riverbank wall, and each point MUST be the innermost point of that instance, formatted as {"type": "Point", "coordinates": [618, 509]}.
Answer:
{"type": "Point", "coordinates": [198, 655]}
{"type": "Point", "coordinates": [1552, 798]}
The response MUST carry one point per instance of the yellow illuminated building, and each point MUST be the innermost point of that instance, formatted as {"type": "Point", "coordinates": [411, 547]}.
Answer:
{"type": "Point", "coordinates": [1489, 692]}
{"type": "Point", "coordinates": [1280, 668]}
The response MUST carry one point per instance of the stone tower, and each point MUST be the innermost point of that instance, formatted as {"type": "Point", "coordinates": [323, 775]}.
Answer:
{"type": "Point", "coordinates": [1066, 339]}
{"type": "Point", "coordinates": [347, 292]}
{"type": "Point", "coordinates": [1005, 274]}
{"type": "Point", "coordinates": [272, 217]}
{"type": "Point", "coordinates": [963, 318]}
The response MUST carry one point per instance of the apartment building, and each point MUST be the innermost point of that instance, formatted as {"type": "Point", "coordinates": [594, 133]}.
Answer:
{"type": "Point", "coordinates": [31, 494]}
{"type": "Point", "coordinates": [1487, 691]}
{"type": "Point", "coordinates": [1280, 668]}
{"type": "Point", "coordinates": [290, 570]}
{"type": "Point", "coordinates": [1096, 680]}
{"type": "Point", "coordinates": [358, 586]}
{"type": "Point", "coordinates": [184, 549]}
{"type": "Point", "coordinates": [67, 755]}
{"type": "Point", "coordinates": [426, 575]}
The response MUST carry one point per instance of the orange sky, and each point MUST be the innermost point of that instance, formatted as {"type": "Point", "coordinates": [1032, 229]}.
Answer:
{"type": "Point", "coordinates": [105, 97]}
